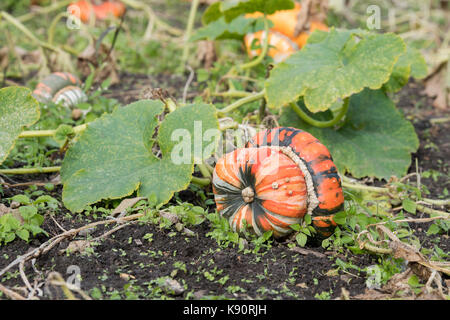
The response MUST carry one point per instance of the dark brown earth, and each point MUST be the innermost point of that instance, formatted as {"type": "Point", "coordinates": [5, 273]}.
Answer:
{"type": "Point", "coordinates": [126, 265]}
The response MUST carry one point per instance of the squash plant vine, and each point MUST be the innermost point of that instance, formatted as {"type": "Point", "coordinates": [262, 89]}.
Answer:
{"type": "Point", "coordinates": [336, 88]}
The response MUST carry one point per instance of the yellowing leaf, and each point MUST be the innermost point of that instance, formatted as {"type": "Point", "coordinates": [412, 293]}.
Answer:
{"type": "Point", "coordinates": [18, 109]}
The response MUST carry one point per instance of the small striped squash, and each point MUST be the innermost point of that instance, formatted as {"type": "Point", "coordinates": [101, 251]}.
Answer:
{"type": "Point", "coordinates": [60, 88]}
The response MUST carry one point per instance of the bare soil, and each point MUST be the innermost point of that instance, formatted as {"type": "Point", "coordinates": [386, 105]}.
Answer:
{"type": "Point", "coordinates": [126, 264]}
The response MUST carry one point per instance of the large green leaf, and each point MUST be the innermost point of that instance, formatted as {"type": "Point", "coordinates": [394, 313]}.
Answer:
{"type": "Point", "coordinates": [236, 29]}
{"type": "Point", "coordinates": [114, 157]}
{"type": "Point", "coordinates": [411, 63]}
{"type": "Point", "coordinates": [18, 109]}
{"type": "Point", "coordinates": [231, 9]}
{"type": "Point", "coordinates": [375, 140]}
{"type": "Point", "coordinates": [334, 66]}
{"type": "Point", "coordinates": [212, 13]}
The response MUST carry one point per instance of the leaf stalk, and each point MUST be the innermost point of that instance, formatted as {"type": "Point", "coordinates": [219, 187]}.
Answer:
{"type": "Point", "coordinates": [242, 101]}
{"type": "Point", "coordinates": [317, 123]}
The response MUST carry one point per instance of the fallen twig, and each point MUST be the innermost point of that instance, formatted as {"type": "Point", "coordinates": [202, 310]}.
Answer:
{"type": "Point", "coordinates": [11, 294]}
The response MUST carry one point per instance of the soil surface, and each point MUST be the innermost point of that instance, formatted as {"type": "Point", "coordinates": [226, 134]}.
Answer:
{"type": "Point", "coordinates": [127, 265]}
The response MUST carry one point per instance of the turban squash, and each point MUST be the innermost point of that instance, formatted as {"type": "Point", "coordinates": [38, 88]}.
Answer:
{"type": "Point", "coordinates": [282, 175]}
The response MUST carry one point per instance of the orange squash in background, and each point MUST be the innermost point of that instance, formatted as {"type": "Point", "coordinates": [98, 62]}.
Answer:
{"type": "Point", "coordinates": [84, 10]}
{"type": "Point", "coordinates": [280, 48]}
{"type": "Point", "coordinates": [101, 11]}
{"type": "Point", "coordinates": [284, 25]}
{"type": "Point", "coordinates": [114, 8]}
{"type": "Point", "coordinates": [285, 21]}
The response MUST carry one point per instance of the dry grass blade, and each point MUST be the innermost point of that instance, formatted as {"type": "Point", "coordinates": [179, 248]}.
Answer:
{"type": "Point", "coordinates": [125, 204]}
{"type": "Point", "coordinates": [55, 279]}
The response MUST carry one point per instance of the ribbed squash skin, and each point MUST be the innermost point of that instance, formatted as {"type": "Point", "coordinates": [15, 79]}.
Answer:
{"type": "Point", "coordinates": [320, 166]}
{"type": "Point", "coordinates": [279, 187]}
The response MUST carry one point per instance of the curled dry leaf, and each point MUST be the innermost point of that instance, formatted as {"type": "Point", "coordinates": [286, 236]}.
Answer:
{"type": "Point", "coordinates": [437, 86]}
{"type": "Point", "coordinates": [102, 60]}
{"type": "Point", "coordinates": [126, 276]}
{"type": "Point", "coordinates": [13, 211]}
{"type": "Point", "coordinates": [416, 260]}
{"type": "Point", "coordinates": [313, 11]}
{"type": "Point", "coordinates": [206, 53]}
{"type": "Point", "coordinates": [76, 246]}
{"type": "Point", "coordinates": [172, 286]}
{"type": "Point", "coordinates": [302, 285]}
{"type": "Point", "coordinates": [345, 295]}
{"type": "Point", "coordinates": [307, 252]}
{"type": "Point", "coordinates": [125, 204]}
{"type": "Point", "coordinates": [172, 217]}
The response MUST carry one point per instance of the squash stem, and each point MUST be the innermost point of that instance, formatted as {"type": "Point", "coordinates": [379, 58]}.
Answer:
{"type": "Point", "coordinates": [170, 104]}
{"type": "Point", "coordinates": [48, 133]}
{"type": "Point", "coordinates": [321, 124]}
{"type": "Point", "coordinates": [203, 182]}
{"type": "Point", "coordinates": [375, 249]}
{"type": "Point", "coordinates": [358, 186]}
{"type": "Point", "coordinates": [29, 170]}
{"type": "Point", "coordinates": [232, 94]}
{"type": "Point", "coordinates": [204, 170]}
{"type": "Point", "coordinates": [265, 48]}
{"type": "Point", "coordinates": [261, 111]}
{"type": "Point", "coordinates": [240, 102]}
{"type": "Point", "coordinates": [51, 29]}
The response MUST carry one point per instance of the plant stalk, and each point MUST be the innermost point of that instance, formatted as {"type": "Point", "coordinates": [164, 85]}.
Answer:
{"type": "Point", "coordinates": [357, 186]}
{"type": "Point", "coordinates": [203, 182]}
{"type": "Point", "coordinates": [187, 35]}
{"type": "Point", "coordinates": [48, 133]}
{"type": "Point", "coordinates": [321, 124]}
{"type": "Point", "coordinates": [153, 19]}
{"type": "Point", "coordinates": [240, 102]}
{"type": "Point", "coordinates": [264, 50]}
{"type": "Point", "coordinates": [43, 10]}
{"type": "Point", "coordinates": [232, 94]}
{"type": "Point", "coordinates": [204, 170]}
{"type": "Point", "coordinates": [29, 170]}
{"type": "Point", "coordinates": [27, 32]}
{"type": "Point", "coordinates": [170, 104]}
